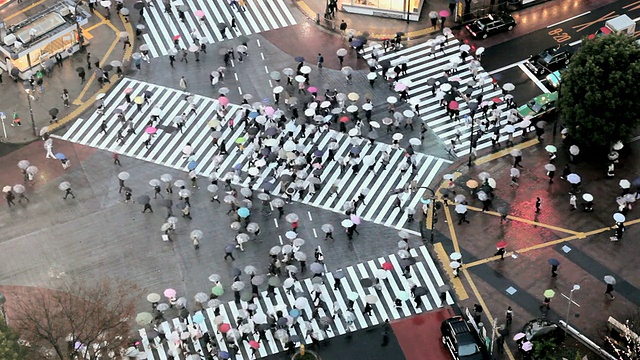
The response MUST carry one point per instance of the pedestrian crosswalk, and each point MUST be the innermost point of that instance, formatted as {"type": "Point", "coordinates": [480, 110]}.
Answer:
{"type": "Point", "coordinates": [321, 324]}
{"type": "Point", "coordinates": [339, 186]}
{"type": "Point", "coordinates": [213, 22]}
{"type": "Point", "coordinates": [425, 62]}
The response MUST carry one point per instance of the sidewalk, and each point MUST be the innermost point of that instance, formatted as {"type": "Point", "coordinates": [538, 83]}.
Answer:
{"type": "Point", "coordinates": [377, 27]}
{"type": "Point", "coordinates": [105, 47]}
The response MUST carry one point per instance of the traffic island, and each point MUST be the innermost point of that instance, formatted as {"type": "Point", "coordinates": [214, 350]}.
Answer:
{"type": "Point", "coordinates": [303, 354]}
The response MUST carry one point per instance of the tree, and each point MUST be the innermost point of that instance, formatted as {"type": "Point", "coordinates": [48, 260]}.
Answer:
{"type": "Point", "coordinates": [10, 348]}
{"type": "Point", "coordinates": [81, 317]}
{"type": "Point", "coordinates": [599, 95]}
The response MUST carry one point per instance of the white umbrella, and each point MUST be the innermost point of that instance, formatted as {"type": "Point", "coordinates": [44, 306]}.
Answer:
{"type": "Point", "coordinates": [397, 136]}
{"type": "Point", "coordinates": [291, 217]}
{"type": "Point", "coordinates": [23, 164]}
{"type": "Point", "coordinates": [573, 178]}
{"type": "Point", "coordinates": [166, 177]}
{"type": "Point", "coordinates": [587, 197]}
{"type": "Point", "coordinates": [341, 52]}
{"type": "Point", "coordinates": [574, 150]}
{"type": "Point", "coordinates": [123, 175]}
{"type": "Point", "coordinates": [278, 89]}
{"type": "Point", "coordinates": [305, 69]}
{"type": "Point", "coordinates": [392, 100]}
{"type": "Point", "coordinates": [18, 188]}
{"type": "Point", "coordinates": [347, 223]}
{"type": "Point", "coordinates": [201, 297]}
{"type": "Point", "coordinates": [508, 87]}
{"type": "Point", "coordinates": [461, 209]}
{"type": "Point", "coordinates": [624, 184]}
{"type": "Point", "coordinates": [214, 278]}
{"type": "Point", "coordinates": [371, 299]}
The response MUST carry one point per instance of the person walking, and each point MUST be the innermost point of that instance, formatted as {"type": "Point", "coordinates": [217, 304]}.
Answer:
{"type": "Point", "coordinates": [609, 291]}
{"type": "Point", "coordinates": [10, 197]}
{"type": "Point", "coordinates": [65, 97]}
{"type": "Point", "coordinates": [147, 206]}
{"type": "Point", "coordinates": [367, 309]}
{"type": "Point", "coordinates": [337, 283]}
{"type": "Point", "coordinates": [121, 184]}
{"type": "Point", "coordinates": [89, 61]}
{"type": "Point", "coordinates": [501, 251]}
{"type": "Point", "coordinates": [554, 270]}
{"type": "Point", "coordinates": [183, 83]}
{"type": "Point", "coordinates": [538, 203]}
{"type": "Point", "coordinates": [116, 159]}
{"type": "Point", "coordinates": [320, 60]}
{"type": "Point", "coordinates": [68, 192]}
{"type": "Point", "coordinates": [186, 212]}
{"type": "Point", "coordinates": [228, 252]}
{"type": "Point", "coordinates": [573, 202]}
{"type": "Point", "coordinates": [48, 146]}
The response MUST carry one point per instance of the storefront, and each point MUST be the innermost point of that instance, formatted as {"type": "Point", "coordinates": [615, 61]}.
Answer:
{"type": "Point", "coordinates": [398, 9]}
{"type": "Point", "coordinates": [28, 44]}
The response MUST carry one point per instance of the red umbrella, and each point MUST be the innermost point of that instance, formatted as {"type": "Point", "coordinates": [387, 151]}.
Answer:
{"type": "Point", "coordinates": [387, 266]}
{"type": "Point", "coordinates": [344, 119]}
{"type": "Point", "coordinates": [176, 37]}
{"type": "Point", "coordinates": [496, 100]}
{"type": "Point", "coordinates": [254, 344]}
{"type": "Point", "coordinates": [501, 244]}
{"type": "Point", "coordinates": [453, 105]}
{"type": "Point", "coordinates": [444, 13]}
{"type": "Point", "coordinates": [224, 328]}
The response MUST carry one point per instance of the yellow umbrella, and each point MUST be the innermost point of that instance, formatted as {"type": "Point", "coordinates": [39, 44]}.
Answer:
{"type": "Point", "coordinates": [472, 184]}
{"type": "Point", "coordinates": [214, 123]}
{"type": "Point", "coordinates": [353, 96]}
{"type": "Point", "coordinates": [138, 100]}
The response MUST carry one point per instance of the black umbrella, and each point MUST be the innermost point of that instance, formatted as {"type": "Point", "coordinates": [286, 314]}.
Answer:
{"type": "Point", "coordinates": [107, 67]}
{"type": "Point", "coordinates": [148, 93]}
{"type": "Point", "coordinates": [168, 203]}
{"type": "Point", "coordinates": [267, 186]}
{"type": "Point", "coordinates": [80, 69]}
{"type": "Point", "coordinates": [15, 72]}
{"type": "Point", "coordinates": [184, 313]}
{"type": "Point", "coordinates": [400, 33]}
{"type": "Point", "coordinates": [420, 291]}
{"type": "Point", "coordinates": [252, 130]}
{"type": "Point", "coordinates": [407, 262]}
{"type": "Point", "coordinates": [138, 5]}
{"type": "Point", "coordinates": [222, 25]}
{"type": "Point", "coordinates": [362, 39]}
{"type": "Point", "coordinates": [366, 282]}
{"type": "Point", "coordinates": [243, 39]}
{"type": "Point", "coordinates": [385, 63]}
{"type": "Point", "coordinates": [54, 111]}
{"type": "Point", "coordinates": [143, 199]}
{"type": "Point", "coordinates": [272, 131]}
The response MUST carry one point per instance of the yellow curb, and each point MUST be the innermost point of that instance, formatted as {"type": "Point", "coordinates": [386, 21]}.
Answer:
{"type": "Point", "coordinates": [132, 38]}
{"type": "Point", "coordinates": [458, 288]}
{"type": "Point", "coordinates": [306, 10]}
{"type": "Point", "coordinates": [526, 221]}
{"type": "Point", "coordinates": [507, 151]}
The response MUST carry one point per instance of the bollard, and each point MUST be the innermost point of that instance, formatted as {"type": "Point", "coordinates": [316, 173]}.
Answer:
{"type": "Point", "coordinates": [302, 349]}
{"type": "Point", "coordinates": [318, 18]}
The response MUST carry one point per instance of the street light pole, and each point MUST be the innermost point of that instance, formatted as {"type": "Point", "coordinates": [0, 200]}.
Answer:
{"type": "Point", "coordinates": [27, 89]}
{"type": "Point", "coordinates": [566, 322]}
{"type": "Point", "coordinates": [470, 163]}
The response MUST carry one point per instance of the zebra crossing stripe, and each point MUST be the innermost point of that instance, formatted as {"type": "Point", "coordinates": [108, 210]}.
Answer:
{"type": "Point", "coordinates": [259, 16]}
{"type": "Point", "coordinates": [423, 273]}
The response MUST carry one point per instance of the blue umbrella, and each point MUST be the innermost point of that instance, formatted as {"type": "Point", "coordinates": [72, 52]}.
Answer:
{"type": "Point", "coordinates": [266, 152]}
{"type": "Point", "coordinates": [198, 318]}
{"type": "Point", "coordinates": [253, 115]}
{"type": "Point", "coordinates": [243, 212]}
{"type": "Point", "coordinates": [299, 59]}
{"type": "Point", "coordinates": [355, 150]}
{"type": "Point", "coordinates": [554, 262]}
{"type": "Point", "coordinates": [237, 166]}
{"type": "Point", "coordinates": [318, 153]}
{"type": "Point", "coordinates": [266, 100]}
{"type": "Point", "coordinates": [294, 313]}
{"type": "Point", "coordinates": [192, 165]}
{"type": "Point", "coordinates": [223, 355]}
{"type": "Point", "coordinates": [229, 248]}
{"type": "Point", "coordinates": [356, 43]}
{"type": "Point", "coordinates": [61, 156]}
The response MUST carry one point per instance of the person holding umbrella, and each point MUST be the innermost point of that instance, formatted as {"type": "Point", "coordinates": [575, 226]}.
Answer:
{"type": "Point", "coordinates": [501, 248]}
{"type": "Point", "coordinates": [554, 267]}
{"type": "Point", "coordinates": [610, 281]}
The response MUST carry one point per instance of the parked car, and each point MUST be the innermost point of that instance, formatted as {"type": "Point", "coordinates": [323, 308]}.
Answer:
{"type": "Point", "coordinates": [550, 60]}
{"type": "Point", "coordinates": [463, 344]}
{"type": "Point", "coordinates": [491, 24]}
{"type": "Point", "coordinates": [539, 106]}
{"type": "Point", "coordinates": [554, 79]}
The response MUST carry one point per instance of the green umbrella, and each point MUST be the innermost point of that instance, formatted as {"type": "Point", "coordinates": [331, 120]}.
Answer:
{"type": "Point", "coordinates": [217, 290]}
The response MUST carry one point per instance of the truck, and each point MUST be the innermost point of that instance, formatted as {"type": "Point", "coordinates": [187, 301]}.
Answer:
{"type": "Point", "coordinates": [619, 25]}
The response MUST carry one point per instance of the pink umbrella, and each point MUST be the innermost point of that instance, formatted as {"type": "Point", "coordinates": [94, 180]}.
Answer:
{"type": "Point", "coordinates": [199, 13]}
{"type": "Point", "coordinates": [150, 130]}
{"type": "Point", "coordinates": [355, 219]}
{"type": "Point", "coordinates": [312, 89]}
{"type": "Point", "coordinates": [453, 105]}
{"type": "Point", "coordinates": [170, 293]}
{"type": "Point", "coordinates": [269, 110]}
{"type": "Point", "coordinates": [444, 13]}
{"type": "Point", "coordinates": [224, 327]}
{"type": "Point", "coordinates": [128, 90]}
{"type": "Point", "coordinates": [223, 101]}
{"type": "Point", "coordinates": [400, 87]}
{"type": "Point", "coordinates": [254, 344]}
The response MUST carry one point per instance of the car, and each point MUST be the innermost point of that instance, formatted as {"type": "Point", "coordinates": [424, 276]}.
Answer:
{"type": "Point", "coordinates": [554, 79]}
{"type": "Point", "coordinates": [550, 60]}
{"type": "Point", "coordinates": [539, 106]}
{"type": "Point", "coordinates": [491, 24]}
{"type": "Point", "coordinates": [462, 343]}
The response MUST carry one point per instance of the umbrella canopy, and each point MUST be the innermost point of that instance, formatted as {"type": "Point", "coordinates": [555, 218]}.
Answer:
{"type": "Point", "coordinates": [291, 218]}
{"type": "Point", "coordinates": [573, 178]}
{"type": "Point", "coordinates": [624, 184]}
{"type": "Point", "coordinates": [608, 279]}
{"type": "Point", "coordinates": [143, 199]}
{"type": "Point", "coordinates": [549, 293]}
{"type": "Point", "coordinates": [371, 299]}
{"type": "Point", "coordinates": [618, 217]}
{"type": "Point", "coordinates": [144, 318]}
{"type": "Point", "coordinates": [153, 297]}
{"type": "Point", "coordinates": [420, 291]}
{"type": "Point", "coordinates": [316, 268]}
{"type": "Point", "coordinates": [123, 175]}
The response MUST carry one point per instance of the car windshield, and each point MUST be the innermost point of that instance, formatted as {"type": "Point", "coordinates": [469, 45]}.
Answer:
{"type": "Point", "coordinates": [468, 349]}
{"type": "Point", "coordinates": [547, 58]}
{"type": "Point", "coordinates": [482, 24]}
{"type": "Point", "coordinates": [534, 106]}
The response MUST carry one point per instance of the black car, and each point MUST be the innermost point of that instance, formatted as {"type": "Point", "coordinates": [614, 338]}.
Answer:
{"type": "Point", "coordinates": [550, 60]}
{"type": "Point", "coordinates": [462, 343]}
{"type": "Point", "coordinates": [490, 25]}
